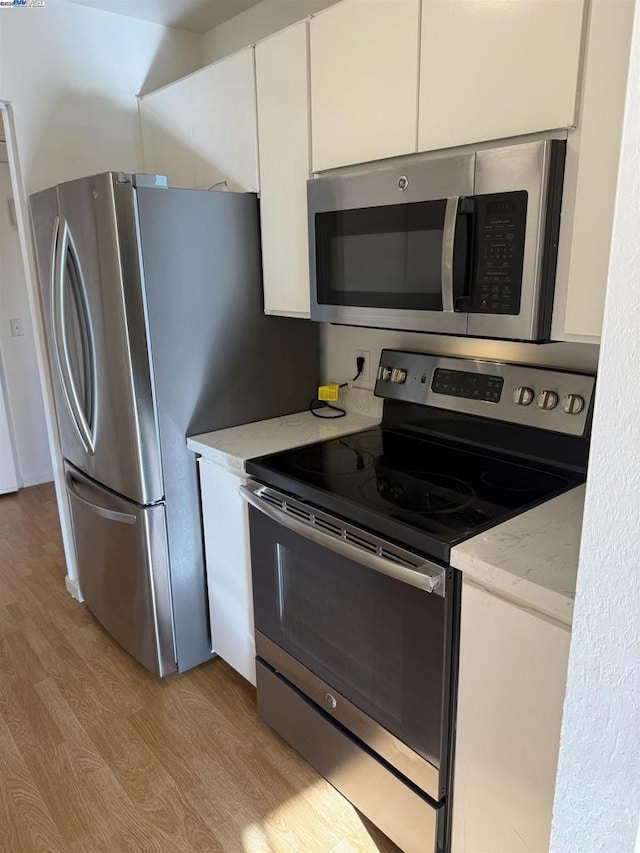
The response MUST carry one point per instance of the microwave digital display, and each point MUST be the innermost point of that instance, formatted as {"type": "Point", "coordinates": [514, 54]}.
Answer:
{"type": "Point", "coordinates": [504, 206]}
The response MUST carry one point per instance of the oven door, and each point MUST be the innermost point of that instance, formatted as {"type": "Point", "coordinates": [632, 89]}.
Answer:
{"type": "Point", "coordinates": [391, 248]}
{"type": "Point", "coordinates": [350, 630]}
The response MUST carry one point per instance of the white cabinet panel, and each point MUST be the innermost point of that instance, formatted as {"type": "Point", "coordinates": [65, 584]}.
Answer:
{"type": "Point", "coordinates": [593, 152]}
{"type": "Point", "coordinates": [496, 68]}
{"type": "Point", "coordinates": [513, 668]}
{"type": "Point", "coordinates": [364, 81]}
{"type": "Point", "coordinates": [223, 115]}
{"type": "Point", "coordinates": [167, 139]}
{"type": "Point", "coordinates": [228, 559]}
{"type": "Point", "coordinates": [282, 74]}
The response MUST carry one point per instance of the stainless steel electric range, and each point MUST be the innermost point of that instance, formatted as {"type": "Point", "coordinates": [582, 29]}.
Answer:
{"type": "Point", "coordinates": [356, 605]}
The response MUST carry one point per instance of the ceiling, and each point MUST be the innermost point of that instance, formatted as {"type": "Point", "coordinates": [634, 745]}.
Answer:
{"type": "Point", "coordinates": [197, 16]}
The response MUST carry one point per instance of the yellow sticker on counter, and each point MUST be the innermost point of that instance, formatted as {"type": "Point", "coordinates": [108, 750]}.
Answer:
{"type": "Point", "coordinates": [328, 393]}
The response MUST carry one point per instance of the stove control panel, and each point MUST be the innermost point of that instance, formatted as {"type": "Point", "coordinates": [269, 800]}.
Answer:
{"type": "Point", "coordinates": [531, 396]}
{"type": "Point", "coordinates": [473, 386]}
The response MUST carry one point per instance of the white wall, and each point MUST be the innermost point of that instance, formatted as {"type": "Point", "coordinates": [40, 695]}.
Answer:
{"type": "Point", "coordinates": [256, 23]}
{"type": "Point", "coordinates": [72, 73]}
{"type": "Point", "coordinates": [597, 803]}
{"type": "Point", "coordinates": [18, 354]}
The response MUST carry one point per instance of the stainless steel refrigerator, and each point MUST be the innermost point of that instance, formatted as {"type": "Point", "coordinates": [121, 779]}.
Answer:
{"type": "Point", "coordinates": [152, 301]}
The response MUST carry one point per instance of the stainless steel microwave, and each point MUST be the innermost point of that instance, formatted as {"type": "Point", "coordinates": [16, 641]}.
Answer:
{"type": "Point", "coordinates": [459, 244]}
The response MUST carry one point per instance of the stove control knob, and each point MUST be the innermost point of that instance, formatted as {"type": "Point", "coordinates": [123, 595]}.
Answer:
{"type": "Point", "coordinates": [398, 375]}
{"type": "Point", "coordinates": [384, 373]}
{"type": "Point", "coordinates": [523, 396]}
{"type": "Point", "coordinates": [547, 400]}
{"type": "Point", "coordinates": [573, 404]}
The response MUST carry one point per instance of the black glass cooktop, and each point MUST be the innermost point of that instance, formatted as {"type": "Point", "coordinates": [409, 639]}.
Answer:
{"type": "Point", "coordinates": [406, 486]}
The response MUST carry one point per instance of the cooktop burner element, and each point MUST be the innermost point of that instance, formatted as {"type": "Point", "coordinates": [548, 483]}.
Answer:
{"type": "Point", "coordinates": [501, 481]}
{"type": "Point", "coordinates": [433, 494]}
{"type": "Point", "coordinates": [441, 468]}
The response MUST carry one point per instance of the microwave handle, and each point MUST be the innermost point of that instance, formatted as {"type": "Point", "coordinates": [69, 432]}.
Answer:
{"type": "Point", "coordinates": [448, 245]}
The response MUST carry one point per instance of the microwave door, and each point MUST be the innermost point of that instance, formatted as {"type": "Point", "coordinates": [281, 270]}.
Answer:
{"type": "Point", "coordinates": [392, 266]}
{"type": "Point", "coordinates": [385, 247]}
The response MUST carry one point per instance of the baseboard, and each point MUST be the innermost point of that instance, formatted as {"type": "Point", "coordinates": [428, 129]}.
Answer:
{"type": "Point", "coordinates": [73, 588]}
{"type": "Point", "coordinates": [36, 478]}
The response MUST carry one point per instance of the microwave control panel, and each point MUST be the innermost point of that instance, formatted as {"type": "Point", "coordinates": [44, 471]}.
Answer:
{"type": "Point", "coordinates": [500, 221]}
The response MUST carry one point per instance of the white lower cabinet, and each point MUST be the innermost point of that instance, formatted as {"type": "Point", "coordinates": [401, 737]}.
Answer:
{"type": "Point", "coordinates": [226, 543]}
{"type": "Point", "coordinates": [513, 668]}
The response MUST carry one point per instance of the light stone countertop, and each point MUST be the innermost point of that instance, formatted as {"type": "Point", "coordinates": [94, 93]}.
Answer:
{"type": "Point", "coordinates": [532, 558]}
{"type": "Point", "coordinates": [231, 448]}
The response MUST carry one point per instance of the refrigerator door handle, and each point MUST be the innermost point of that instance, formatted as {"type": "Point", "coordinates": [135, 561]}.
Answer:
{"type": "Point", "coordinates": [64, 245]}
{"type": "Point", "coordinates": [110, 514]}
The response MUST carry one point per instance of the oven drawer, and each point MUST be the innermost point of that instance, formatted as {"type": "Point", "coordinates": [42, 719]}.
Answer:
{"type": "Point", "coordinates": [410, 821]}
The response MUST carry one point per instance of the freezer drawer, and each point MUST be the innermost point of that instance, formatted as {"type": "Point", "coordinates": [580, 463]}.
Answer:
{"type": "Point", "coordinates": [121, 550]}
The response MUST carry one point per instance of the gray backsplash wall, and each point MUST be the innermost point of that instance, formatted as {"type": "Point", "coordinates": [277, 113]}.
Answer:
{"type": "Point", "coordinates": [340, 343]}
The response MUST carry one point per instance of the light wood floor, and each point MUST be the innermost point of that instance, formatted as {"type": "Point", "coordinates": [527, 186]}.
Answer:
{"type": "Point", "coordinates": [98, 756]}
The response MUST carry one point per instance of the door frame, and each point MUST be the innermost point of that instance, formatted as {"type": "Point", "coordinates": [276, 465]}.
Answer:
{"type": "Point", "coordinates": [31, 277]}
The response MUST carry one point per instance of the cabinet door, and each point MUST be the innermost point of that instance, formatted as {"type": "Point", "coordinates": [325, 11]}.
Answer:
{"type": "Point", "coordinates": [226, 543]}
{"type": "Point", "coordinates": [282, 75]}
{"type": "Point", "coordinates": [167, 140]}
{"type": "Point", "coordinates": [591, 171]}
{"type": "Point", "coordinates": [223, 110]}
{"type": "Point", "coordinates": [513, 668]}
{"type": "Point", "coordinates": [496, 68]}
{"type": "Point", "coordinates": [364, 81]}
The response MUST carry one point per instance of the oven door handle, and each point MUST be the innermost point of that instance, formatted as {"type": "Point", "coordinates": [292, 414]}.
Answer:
{"type": "Point", "coordinates": [427, 576]}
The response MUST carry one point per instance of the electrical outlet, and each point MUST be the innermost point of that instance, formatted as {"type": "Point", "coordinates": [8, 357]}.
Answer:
{"type": "Point", "coordinates": [16, 327]}
{"type": "Point", "coordinates": [365, 376]}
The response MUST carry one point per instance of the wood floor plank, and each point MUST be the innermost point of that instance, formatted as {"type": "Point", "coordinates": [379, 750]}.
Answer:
{"type": "Point", "coordinates": [32, 828]}
{"type": "Point", "coordinates": [99, 756]}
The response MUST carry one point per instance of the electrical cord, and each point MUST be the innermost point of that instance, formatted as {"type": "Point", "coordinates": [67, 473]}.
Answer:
{"type": "Point", "coordinates": [316, 404]}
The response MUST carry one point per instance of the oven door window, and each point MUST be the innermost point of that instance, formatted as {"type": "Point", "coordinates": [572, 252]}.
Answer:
{"type": "Point", "coordinates": [377, 641]}
{"type": "Point", "coordinates": [381, 257]}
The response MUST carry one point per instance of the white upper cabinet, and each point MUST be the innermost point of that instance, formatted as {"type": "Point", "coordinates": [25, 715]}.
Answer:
{"type": "Point", "coordinates": [223, 115]}
{"type": "Point", "coordinates": [364, 81]}
{"type": "Point", "coordinates": [282, 78]}
{"type": "Point", "coordinates": [167, 141]}
{"type": "Point", "coordinates": [202, 130]}
{"type": "Point", "coordinates": [496, 68]}
{"type": "Point", "coordinates": [593, 152]}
